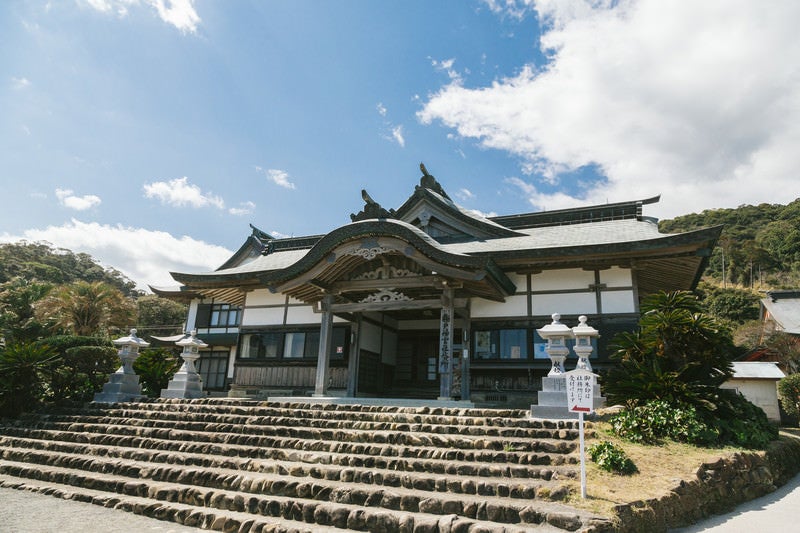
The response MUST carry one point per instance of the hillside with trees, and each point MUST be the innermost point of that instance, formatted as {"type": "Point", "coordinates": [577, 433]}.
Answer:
{"type": "Point", "coordinates": [759, 248]}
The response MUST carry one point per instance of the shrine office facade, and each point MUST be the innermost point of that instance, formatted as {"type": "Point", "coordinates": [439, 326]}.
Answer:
{"type": "Point", "coordinates": [429, 300]}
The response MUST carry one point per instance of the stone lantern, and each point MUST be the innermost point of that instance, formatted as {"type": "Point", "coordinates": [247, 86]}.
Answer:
{"type": "Point", "coordinates": [556, 335]}
{"type": "Point", "coordinates": [123, 385]}
{"type": "Point", "coordinates": [187, 382]}
{"type": "Point", "coordinates": [583, 334]}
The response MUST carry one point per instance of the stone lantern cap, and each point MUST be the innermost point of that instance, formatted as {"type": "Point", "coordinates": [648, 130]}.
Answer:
{"type": "Point", "coordinates": [190, 341]}
{"type": "Point", "coordinates": [583, 329]}
{"type": "Point", "coordinates": [131, 340]}
{"type": "Point", "coordinates": [555, 329]}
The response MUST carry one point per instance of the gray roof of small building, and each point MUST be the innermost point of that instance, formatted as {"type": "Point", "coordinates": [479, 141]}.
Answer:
{"type": "Point", "coordinates": [785, 312]}
{"type": "Point", "coordinates": [757, 370]}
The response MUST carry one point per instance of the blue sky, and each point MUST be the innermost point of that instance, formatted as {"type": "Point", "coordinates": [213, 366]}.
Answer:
{"type": "Point", "coordinates": [150, 133]}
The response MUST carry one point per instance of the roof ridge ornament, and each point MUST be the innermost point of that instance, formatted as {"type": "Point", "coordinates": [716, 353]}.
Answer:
{"type": "Point", "coordinates": [372, 209]}
{"type": "Point", "coordinates": [427, 181]}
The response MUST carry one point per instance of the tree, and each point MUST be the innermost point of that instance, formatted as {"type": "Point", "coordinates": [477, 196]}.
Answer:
{"type": "Point", "coordinates": [85, 309]}
{"type": "Point", "coordinates": [24, 370]}
{"type": "Point", "coordinates": [159, 316]}
{"type": "Point", "coordinates": [18, 322]}
{"type": "Point", "coordinates": [678, 354]}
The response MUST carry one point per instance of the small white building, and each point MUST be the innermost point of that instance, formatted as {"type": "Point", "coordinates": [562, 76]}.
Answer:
{"type": "Point", "coordinates": [758, 382]}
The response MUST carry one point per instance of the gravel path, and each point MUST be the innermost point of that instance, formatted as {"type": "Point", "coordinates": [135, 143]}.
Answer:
{"type": "Point", "coordinates": [22, 511]}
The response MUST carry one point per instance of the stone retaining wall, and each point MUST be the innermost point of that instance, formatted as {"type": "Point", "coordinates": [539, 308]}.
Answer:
{"type": "Point", "coordinates": [718, 488]}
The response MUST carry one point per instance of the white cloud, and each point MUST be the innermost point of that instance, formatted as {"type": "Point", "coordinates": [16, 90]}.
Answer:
{"type": "Point", "coordinates": [278, 177]}
{"type": "Point", "coordinates": [279, 235]}
{"type": "Point", "coordinates": [381, 109]}
{"type": "Point", "coordinates": [464, 194]}
{"type": "Point", "coordinates": [397, 135]}
{"type": "Point", "coordinates": [179, 193]}
{"type": "Point", "coordinates": [699, 101]}
{"type": "Point", "coordinates": [446, 66]}
{"type": "Point", "coordinates": [179, 13]}
{"type": "Point", "coordinates": [245, 208]}
{"type": "Point", "coordinates": [19, 83]}
{"type": "Point", "coordinates": [144, 256]}
{"type": "Point", "coordinates": [78, 203]}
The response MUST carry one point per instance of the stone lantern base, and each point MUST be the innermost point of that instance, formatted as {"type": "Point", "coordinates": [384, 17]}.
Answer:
{"type": "Point", "coordinates": [121, 387]}
{"type": "Point", "coordinates": [184, 385]}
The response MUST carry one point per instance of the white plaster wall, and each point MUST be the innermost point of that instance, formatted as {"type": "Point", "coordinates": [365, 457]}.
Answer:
{"type": "Point", "coordinates": [513, 306]}
{"type": "Point", "coordinates": [565, 278]}
{"type": "Point", "coordinates": [583, 303]}
{"type": "Point", "coordinates": [616, 277]}
{"type": "Point", "coordinates": [520, 280]}
{"type": "Point", "coordinates": [191, 317]}
{"type": "Point", "coordinates": [761, 392]}
{"type": "Point", "coordinates": [618, 302]}
{"type": "Point", "coordinates": [264, 297]}
{"type": "Point", "coordinates": [263, 316]}
{"type": "Point", "coordinates": [302, 315]}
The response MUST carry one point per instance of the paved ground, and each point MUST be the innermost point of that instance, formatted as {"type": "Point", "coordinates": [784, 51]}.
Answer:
{"type": "Point", "coordinates": [776, 512]}
{"type": "Point", "coordinates": [22, 511]}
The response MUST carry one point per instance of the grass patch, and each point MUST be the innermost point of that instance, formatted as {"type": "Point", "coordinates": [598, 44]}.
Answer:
{"type": "Point", "coordinates": [661, 468]}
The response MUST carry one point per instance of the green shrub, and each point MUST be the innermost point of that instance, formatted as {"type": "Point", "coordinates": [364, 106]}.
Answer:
{"type": "Point", "coordinates": [789, 392]}
{"type": "Point", "coordinates": [657, 420]}
{"type": "Point", "coordinates": [611, 458]}
{"type": "Point", "coordinates": [155, 367]}
{"type": "Point", "coordinates": [740, 422]}
{"type": "Point", "coordinates": [734, 421]}
{"type": "Point", "coordinates": [24, 371]}
{"type": "Point", "coordinates": [83, 365]}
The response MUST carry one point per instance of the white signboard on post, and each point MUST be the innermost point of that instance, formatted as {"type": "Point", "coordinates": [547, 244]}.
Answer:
{"type": "Point", "coordinates": [580, 391]}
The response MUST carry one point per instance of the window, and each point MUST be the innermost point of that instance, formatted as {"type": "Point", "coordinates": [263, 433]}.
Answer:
{"type": "Point", "coordinates": [223, 315]}
{"type": "Point", "coordinates": [507, 344]}
{"type": "Point", "coordinates": [291, 344]}
{"type": "Point", "coordinates": [217, 316]}
{"type": "Point", "coordinates": [213, 369]}
{"type": "Point", "coordinates": [261, 345]}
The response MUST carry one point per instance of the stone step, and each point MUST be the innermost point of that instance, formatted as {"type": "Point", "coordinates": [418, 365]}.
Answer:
{"type": "Point", "coordinates": [351, 510]}
{"type": "Point", "coordinates": [462, 417]}
{"type": "Point", "coordinates": [367, 480]}
{"type": "Point", "coordinates": [199, 421]}
{"type": "Point", "coordinates": [388, 457]}
{"type": "Point", "coordinates": [343, 441]}
{"type": "Point", "coordinates": [370, 468]}
{"type": "Point", "coordinates": [312, 464]}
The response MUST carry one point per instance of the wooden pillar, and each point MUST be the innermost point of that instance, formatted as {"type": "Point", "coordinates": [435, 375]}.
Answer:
{"type": "Point", "coordinates": [446, 346]}
{"type": "Point", "coordinates": [466, 393]}
{"type": "Point", "coordinates": [323, 359]}
{"type": "Point", "coordinates": [352, 363]}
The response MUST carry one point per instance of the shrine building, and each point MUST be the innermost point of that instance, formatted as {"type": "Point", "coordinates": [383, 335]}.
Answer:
{"type": "Point", "coordinates": [429, 300]}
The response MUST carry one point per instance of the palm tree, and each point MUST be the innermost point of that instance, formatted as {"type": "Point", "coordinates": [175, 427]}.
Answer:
{"type": "Point", "coordinates": [679, 353]}
{"type": "Point", "coordinates": [84, 308]}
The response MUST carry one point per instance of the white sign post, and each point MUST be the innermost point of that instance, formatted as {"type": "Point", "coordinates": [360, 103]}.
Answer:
{"type": "Point", "coordinates": [580, 398]}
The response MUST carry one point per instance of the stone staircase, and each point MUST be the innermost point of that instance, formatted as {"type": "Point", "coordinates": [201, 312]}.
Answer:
{"type": "Point", "coordinates": [243, 466]}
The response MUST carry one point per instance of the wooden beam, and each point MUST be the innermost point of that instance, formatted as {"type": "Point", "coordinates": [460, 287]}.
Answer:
{"type": "Point", "coordinates": [395, 283]}
{"type": "Point", "coordinates": [397, 305]}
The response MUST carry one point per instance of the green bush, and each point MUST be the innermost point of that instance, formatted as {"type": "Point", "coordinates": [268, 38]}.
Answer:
{"type": "Point", "coordinates": [155, 367]}
{"type": "Point", "coordinates": [24, 371]}
{"type": "Point", "coordinates": [83, 365]}
{"type": "Point", "coordinates": [789, 392]}
{"type": "Point", "coordinates": [735, 421]}
{"type": "Point", "coordinates": [611, 458]}
{"type": "Point", "coordinates": [657, 420]}
{"type": "Point", "coordinates": [741, 423]}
